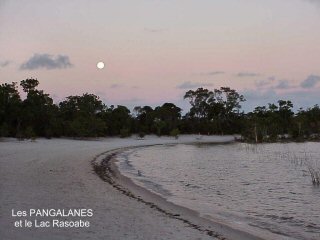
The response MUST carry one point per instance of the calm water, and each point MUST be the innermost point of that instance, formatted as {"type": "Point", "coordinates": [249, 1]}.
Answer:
{"type": "Point", "coordinates": [267, 188]}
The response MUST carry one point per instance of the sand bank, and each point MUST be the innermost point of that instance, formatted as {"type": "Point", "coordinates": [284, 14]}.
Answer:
{"type": "Point", "coordinates": [58, 174]}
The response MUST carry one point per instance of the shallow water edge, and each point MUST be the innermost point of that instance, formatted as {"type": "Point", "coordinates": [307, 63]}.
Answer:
{"type": "Point", "coordinates": [105, 167]}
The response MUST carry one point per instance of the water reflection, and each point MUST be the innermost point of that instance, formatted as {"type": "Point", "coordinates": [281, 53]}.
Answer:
{"type": "Point", "coordinates": [267, 186]}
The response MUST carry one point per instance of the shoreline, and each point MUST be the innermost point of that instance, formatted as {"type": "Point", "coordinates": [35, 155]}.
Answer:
{"type": "Point", "coordinates": [105, 167]}
{"type": "Point", "coordinates": [59, 174]}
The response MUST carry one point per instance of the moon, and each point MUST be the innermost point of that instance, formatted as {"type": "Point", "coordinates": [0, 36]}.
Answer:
{"type": "Point", "coordinates": [100, 65]}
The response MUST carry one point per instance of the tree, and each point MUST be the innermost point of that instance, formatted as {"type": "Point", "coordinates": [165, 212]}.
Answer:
{"type": "Point", "coordinates": [285, 115]}
{"type": "Point", "coordinates": [266, 123]}
{"type": "Point", "coordinates": [199, 101]}
{"type": "Point", "coordinates": [169, 116]}
{"type": "Point", "coordinates": [29, 85]}
{"type": "Point", "coordinates": [144, 117]}
{"type": "Point", "coordinates": [10, 107]}
{"type": "Point", "coordinates": [307, 122]}
{"type": "Point", "coordinates": [83, 116]}
{"type": "Point", "coordinates": [118, 119]}
{"type": "Point", "coordinates": [37, 109]}
{"type": "Point", "coordinates": [217, 111]}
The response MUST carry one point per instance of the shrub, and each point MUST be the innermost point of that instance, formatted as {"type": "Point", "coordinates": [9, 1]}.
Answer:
{"type": "Point", "coordinates": [141, 134]}
{"type": "Point", "coordinates": [4, 130]}
{"type": "Point", "coordinates": [29, 133]}
{"type": "Point", "coordinates": [175, 133]}
{"type": "Point", "coordinates": [124, 132]}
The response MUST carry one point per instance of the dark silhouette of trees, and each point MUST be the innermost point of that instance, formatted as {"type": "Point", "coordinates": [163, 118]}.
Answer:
{"type": "Point", "coordinates": [143, 119]}
{"type": "Point", "coordinates": [37, 110]}
{"type": "Point", "coordinates": [200, 102]}
{"type": "Point", "coordinates": [307, 122]}
{"type": "Point", "coordinates": [118, 120]}
{"type": "Point", "coordinates": [216, 111]}
{"type": "Point", "coordinates": [82, 116]}
{"type": "Point", "coordinates": [167, 118]}
{"type": "Point", "coordinates": [161, 120]}
{"type": "Point", "coordinates": [270, 123]}
{"type": "Point", "coordinates": [10, 108]}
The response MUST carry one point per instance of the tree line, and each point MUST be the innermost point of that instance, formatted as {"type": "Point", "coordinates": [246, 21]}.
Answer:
{"type": "Point", "coordinates": [211, 112]}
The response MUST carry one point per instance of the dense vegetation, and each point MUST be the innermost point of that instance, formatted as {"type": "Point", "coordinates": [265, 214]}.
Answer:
{"type": "Point", "coordinates": [211, 112]}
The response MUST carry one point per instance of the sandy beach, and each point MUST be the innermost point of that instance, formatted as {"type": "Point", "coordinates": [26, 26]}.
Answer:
{"type": "Point", "coordinates": [58, 174]}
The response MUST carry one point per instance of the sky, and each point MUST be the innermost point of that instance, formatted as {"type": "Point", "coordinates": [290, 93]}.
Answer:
{"type": "Point", "coordinates": [156, 50]}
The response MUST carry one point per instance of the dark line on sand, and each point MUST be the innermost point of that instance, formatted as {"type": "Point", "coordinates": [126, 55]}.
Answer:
{"type": "Point", "coordinates": [105, 172]}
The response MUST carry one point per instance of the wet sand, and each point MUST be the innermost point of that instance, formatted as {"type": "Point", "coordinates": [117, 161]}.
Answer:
{"type": "Point", "coordinates": [107, 169]}
{"type": "Point", "coordinates": [59, 174]}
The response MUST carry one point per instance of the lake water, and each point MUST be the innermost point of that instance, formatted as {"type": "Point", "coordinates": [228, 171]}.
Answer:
{"type": "Point", "coordinates": [265, 188]}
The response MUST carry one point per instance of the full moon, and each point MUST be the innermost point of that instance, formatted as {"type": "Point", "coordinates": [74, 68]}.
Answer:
{"type": "Point", "coordinates": [100, 65]}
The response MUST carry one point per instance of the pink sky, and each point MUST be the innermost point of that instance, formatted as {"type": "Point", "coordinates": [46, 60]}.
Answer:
{"type": "Point", "coordinates": [154, 51]}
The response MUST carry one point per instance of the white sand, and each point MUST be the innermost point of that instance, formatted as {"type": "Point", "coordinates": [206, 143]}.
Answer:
{"type": "Point", "coordinates": [57, 174]}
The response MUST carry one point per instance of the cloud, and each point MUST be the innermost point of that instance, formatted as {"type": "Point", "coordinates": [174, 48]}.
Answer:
{"type": "Point", "coordinates": [2, 4]}
{"type": "Point", "coordinates": [283, 84]}
{"type": "Point", "coordinates": [310, 82]}
{"type": "Point", "coordinates": [190, 85]}
{"type": "Point", "coordinates": [46, 61]}
{"type": "Point", "coordinates": [265, 82]}
{"type": "Point", "coordinates": [115, 85]}
{"type": "Point", "coordinates": [270, 83]}
{"type": "Point", "coordinates": [4, 63]}
{"type": "Point", "coordinates": [212, 73]}
{"type": "Point", "coordinates": [247, 74]}
{"type": "Point", "coordinates": [154, 30]}
{"type": "Point", "coordinates": [302, 98]}
{"type": "Point", "coordinates": [317, 2]}
{"type": "Point", "coordinates": [299, 97]}
{"type": "Point", "coordinates": [262, 83]}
